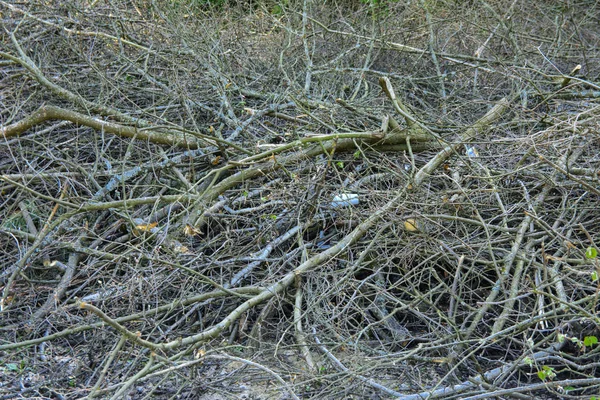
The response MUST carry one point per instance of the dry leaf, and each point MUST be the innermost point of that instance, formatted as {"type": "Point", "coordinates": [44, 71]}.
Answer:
{"type": "Point", "coordinates": [181, 249]}
{"type": "Point", "coordinates": [141, 228]}
{"type": "Point", "coordinates": [411, 225]}
{"type": "Point", "coordinates": [200, 353]}
{"type": "Point", "coordinates": [191, 231]}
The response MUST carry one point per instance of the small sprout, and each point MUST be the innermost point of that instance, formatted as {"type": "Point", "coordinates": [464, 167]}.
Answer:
{"type": "Point", "coordinates": [591, 253]}
{"type": "Point", "coordinates": [340, 164]}
{"type": "Point", "coordinates": [589, 341]}
{"type": "Point", "coordinates": [238, 349]}
{"type": "Point", "coordinates": [546, 373]}
{"type": "Point", "coordinates": [594, 276]}
{"type": "Point", "coordinates": [356, 154]}
{"type": "Point", "coordinates": [276, 10]}
{"type": "Point", "coordinates": [528, 361]}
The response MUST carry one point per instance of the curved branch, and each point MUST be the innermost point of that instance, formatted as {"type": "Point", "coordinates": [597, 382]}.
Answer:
{"type": "Point", "coordinates": [47, 113]}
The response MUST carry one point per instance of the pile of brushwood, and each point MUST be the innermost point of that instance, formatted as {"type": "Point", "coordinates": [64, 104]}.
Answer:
{"type": "Point", "coordinates": [299, 199]}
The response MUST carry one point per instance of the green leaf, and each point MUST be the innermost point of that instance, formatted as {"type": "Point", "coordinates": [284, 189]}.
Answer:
{"type": "Point", "coordinates": [589, 341]}
{"type": "Point", "coordinates": [528, 361]}
{"type": "Point", "coordinates": [546, 373]}
{"type": "Point", "coordinates": [591, 253]}
{"type": "Point", "coordinates": [12, 367]}
{"type": "Point", "coordinates": [549, 372]}
{"type": "Point", "coordinates": [277, 10]}
{"type": "Point", "coordinates": [542, 375]}
{"type": "Point", "coordinates": [594, 276]}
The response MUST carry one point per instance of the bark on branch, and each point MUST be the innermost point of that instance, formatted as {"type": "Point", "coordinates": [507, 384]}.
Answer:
{"type": "Point", "coordinates": [47, 113]}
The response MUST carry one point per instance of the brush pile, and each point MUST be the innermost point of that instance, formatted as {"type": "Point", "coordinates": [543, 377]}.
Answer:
{"type": "Point", "coordinates": [202, 199]}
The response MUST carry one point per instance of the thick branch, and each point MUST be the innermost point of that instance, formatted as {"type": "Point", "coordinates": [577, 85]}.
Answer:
{"type": "Point", "coordinates": [47, 113]}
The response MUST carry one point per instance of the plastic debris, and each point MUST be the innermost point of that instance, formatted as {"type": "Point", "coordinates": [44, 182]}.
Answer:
{"type": "Point", "coordinates": [471, 151]}
{"type": "Point", "coordinates": [323, 243]}
{"type": "Point", "coordinates": [345, 200]}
